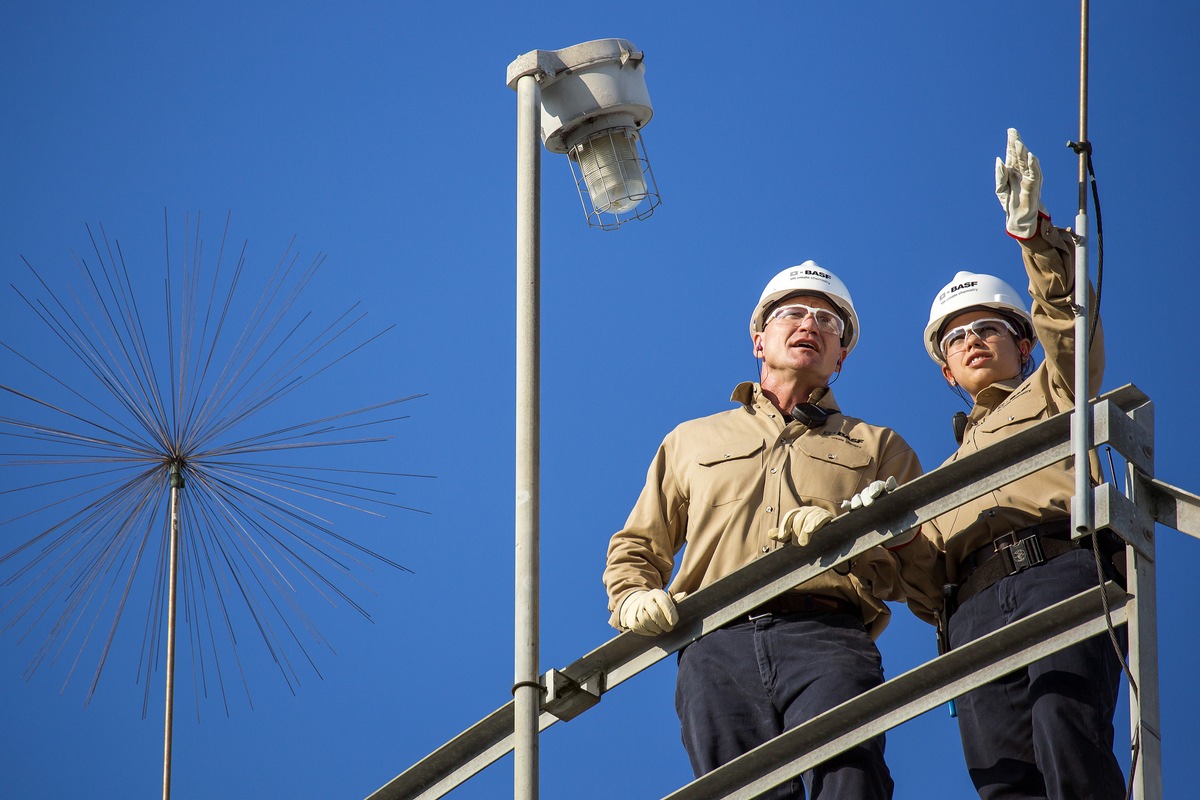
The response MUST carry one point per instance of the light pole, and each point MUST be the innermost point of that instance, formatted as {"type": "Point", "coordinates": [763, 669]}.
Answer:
{"type": "Point", "coordinates": [591, 101]}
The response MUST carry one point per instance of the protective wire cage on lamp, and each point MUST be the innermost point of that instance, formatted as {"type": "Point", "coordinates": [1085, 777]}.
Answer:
{"type": "Point", "coordinates": [594, 103]}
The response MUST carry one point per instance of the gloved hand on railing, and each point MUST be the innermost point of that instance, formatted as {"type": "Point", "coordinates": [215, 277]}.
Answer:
{"type": "Point", "coordinates": [648, 612]}
{"type": "Point", "coordinates": [799, 524]}
{"type": "Point", "coordinates": [868, 495]}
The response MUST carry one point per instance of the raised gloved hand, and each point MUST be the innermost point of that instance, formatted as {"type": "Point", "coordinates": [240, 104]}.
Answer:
{"type": "Point", "coordinates": [799, 524]}
{"type": "Point", "coordinates": [1019, 188]}
{"type": "Point", "coordinates": [648, 612]}
{"type": "Point", "coordinates": [868, 495]}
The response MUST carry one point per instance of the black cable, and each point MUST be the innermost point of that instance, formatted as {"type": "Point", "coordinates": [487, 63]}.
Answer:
{"type": "Point", "coordinates": [1085, 149]}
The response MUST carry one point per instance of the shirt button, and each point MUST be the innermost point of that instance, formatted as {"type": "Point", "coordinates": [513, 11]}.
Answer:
{"type": "Point", "coordinates": [832, 457]}
{"type": "Point", "coordinates": [770, 509]}
{"type": "Point", "coordinates": [773, 470]}
{"type": "Point", "coordinates": [766, 549]}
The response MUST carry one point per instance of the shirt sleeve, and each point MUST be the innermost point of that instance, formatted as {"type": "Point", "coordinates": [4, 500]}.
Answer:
{"type": "Point", "coordinates": [642, 554]}
{"type": "Point", "coordinates": [923, 573]}
{"type": "Point", "coordinates": [1050, 264]}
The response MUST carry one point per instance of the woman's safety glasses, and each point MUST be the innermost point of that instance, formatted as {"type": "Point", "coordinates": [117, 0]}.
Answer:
{"type": "Point", "coordinates": [987, 329]}
{"type": "Point", "coordinates": [794, 314]}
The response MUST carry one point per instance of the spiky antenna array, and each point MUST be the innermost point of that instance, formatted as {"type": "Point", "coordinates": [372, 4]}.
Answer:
{"type": "Point", "coordinates": [206, 388]}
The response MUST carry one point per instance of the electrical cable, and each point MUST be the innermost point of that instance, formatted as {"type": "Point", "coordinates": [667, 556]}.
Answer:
{"type": "Point", "coordinates": [1085, 149]}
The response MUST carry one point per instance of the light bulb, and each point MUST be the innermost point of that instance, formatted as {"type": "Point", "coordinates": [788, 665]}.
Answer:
{"type": "Point", "coordinates": [612, 171]}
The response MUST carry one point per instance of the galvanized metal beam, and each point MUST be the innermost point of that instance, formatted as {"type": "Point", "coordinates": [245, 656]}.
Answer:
{"type": "Point", "coordinates": [1145, 725]}
{"type": "Point", "coordinates": [1174, 507]}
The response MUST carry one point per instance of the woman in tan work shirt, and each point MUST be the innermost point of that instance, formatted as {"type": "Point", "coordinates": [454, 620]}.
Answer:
{"type": "Point", "coordinates": [1044, 731]}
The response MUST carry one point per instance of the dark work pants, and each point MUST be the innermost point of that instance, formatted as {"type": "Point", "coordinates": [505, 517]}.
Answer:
{"type": "Point", "coordinates": [1045, 731]}
{"type": "Point", "coordinates": [746, 683]}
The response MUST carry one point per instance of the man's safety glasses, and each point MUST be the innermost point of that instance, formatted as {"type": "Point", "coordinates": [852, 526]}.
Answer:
{"type": "Point", "coordinates": [794, 314]}
{"type": "Point", "coordinates": [986, 329]}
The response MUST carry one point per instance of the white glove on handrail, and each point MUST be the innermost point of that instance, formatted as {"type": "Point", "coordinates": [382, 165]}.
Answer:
{"type": "Point", "coordinates": [648, 612]}
{"type": "Point", "coordinates": [1019, 188]}
{"type": "Point", "coordinates": [799, 524]}
{"type": "Point", "coordinates": [868, 495]}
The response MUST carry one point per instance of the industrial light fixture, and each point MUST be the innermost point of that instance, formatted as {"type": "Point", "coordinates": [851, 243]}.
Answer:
{"type": "Point", "coordinates": [594, 104]}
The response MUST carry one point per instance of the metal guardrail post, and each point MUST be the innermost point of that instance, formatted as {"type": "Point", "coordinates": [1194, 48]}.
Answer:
{"type": "Point", "coordinates": [1145, 733]}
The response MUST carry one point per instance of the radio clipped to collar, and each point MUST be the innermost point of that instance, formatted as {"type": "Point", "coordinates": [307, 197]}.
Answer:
{"type": "Point", "coordinates": [811, 415]}
{"type": "Point", "coordinates": [960, 426]}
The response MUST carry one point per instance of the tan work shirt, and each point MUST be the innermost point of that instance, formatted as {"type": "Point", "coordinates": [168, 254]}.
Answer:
{"type": "Point", "coordinates": [1008, 407]}
{"type": "Point", "coordinates": [719, 484]}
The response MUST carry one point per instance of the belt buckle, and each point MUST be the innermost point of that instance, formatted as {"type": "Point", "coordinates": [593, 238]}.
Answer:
{"type": "Point", "coordinates": [1021, 554]}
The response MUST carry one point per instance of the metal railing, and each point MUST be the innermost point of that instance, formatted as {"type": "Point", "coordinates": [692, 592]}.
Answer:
{"type": "Point", "coordinates": [1121, 419]}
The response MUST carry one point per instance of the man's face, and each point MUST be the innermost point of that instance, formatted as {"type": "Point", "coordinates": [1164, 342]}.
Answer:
{"type": "Point", "coordinates": [976, 361]}
{"type": "Point", "coordinates": [796, 342]}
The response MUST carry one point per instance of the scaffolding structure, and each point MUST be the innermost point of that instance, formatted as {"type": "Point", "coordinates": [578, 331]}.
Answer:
{"type": "Point", "coordinates": [1122, 420]}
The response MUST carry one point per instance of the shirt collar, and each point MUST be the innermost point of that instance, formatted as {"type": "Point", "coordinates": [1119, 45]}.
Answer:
{"type": "Point", "coordinates": [996, 393]}
{"type": "Point", "coordinates": [748, 393]}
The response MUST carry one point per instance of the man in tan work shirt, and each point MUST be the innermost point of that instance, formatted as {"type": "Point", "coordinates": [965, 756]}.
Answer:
{"type": "Point", "coordinates": [729, 488]}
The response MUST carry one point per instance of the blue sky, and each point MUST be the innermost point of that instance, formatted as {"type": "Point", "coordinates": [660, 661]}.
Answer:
{"type": "Point", "coordinates": [382, 134]}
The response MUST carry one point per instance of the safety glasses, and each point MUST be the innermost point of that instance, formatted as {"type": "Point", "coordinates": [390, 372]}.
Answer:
{"type": "Point", "coordinates": [794, 314]}
{"type": "Point", "coordinates": [987, 329]}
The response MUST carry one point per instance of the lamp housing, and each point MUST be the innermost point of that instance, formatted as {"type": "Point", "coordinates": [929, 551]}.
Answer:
{"type": "Point", "coordinates": [594, 103]}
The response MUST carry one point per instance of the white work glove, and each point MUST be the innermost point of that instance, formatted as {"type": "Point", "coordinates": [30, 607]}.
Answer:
{"type": "Point", "coordinates": [868, 495]}
{"type": "Point", "coordinates": [648, 612]}
{"type": "Point", "coordinates": [1019, 188]}
{"type": "Point", "coordinates": [799, 524]}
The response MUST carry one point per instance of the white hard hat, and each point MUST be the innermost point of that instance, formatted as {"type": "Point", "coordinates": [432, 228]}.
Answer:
{"type": "Point", "coordinates": [808, 278]}
{"type": "Point", "coordinates": [974, 290]}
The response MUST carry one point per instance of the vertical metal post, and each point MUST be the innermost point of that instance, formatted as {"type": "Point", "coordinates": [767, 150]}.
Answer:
{"type": "Point", "coordinates": [526, 689]}
{"type": "Point", "coordinates": [1081, 428]}
{"type": "Point", "coordinates": [1143, 644]}
{"type": "Point", "coordinates": [173, 569]}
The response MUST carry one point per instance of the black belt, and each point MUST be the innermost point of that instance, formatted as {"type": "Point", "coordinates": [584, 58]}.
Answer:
{"type": "Point", "coordinates": [797, 603]}
{"type": "Point", "coordinates": [1012, 553]}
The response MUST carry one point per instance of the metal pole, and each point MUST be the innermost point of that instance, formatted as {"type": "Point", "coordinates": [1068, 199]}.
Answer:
{"type": "Point", "coordinates": [526, 689]}
{"type": "Point", "coordinates": [1144, 712]}
{"type": "Point", "coordinates": [176, 486]}
{"type": "Point", "coordinates": [1081, 430]}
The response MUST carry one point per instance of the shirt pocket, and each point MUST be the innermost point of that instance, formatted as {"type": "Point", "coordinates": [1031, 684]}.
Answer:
{"type": "Point", "coordinates": [831, 469]}
{"type": "Point", "coordinates": [729, 472]}
{"type": "Point", "coordinates": [1013, 416]}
